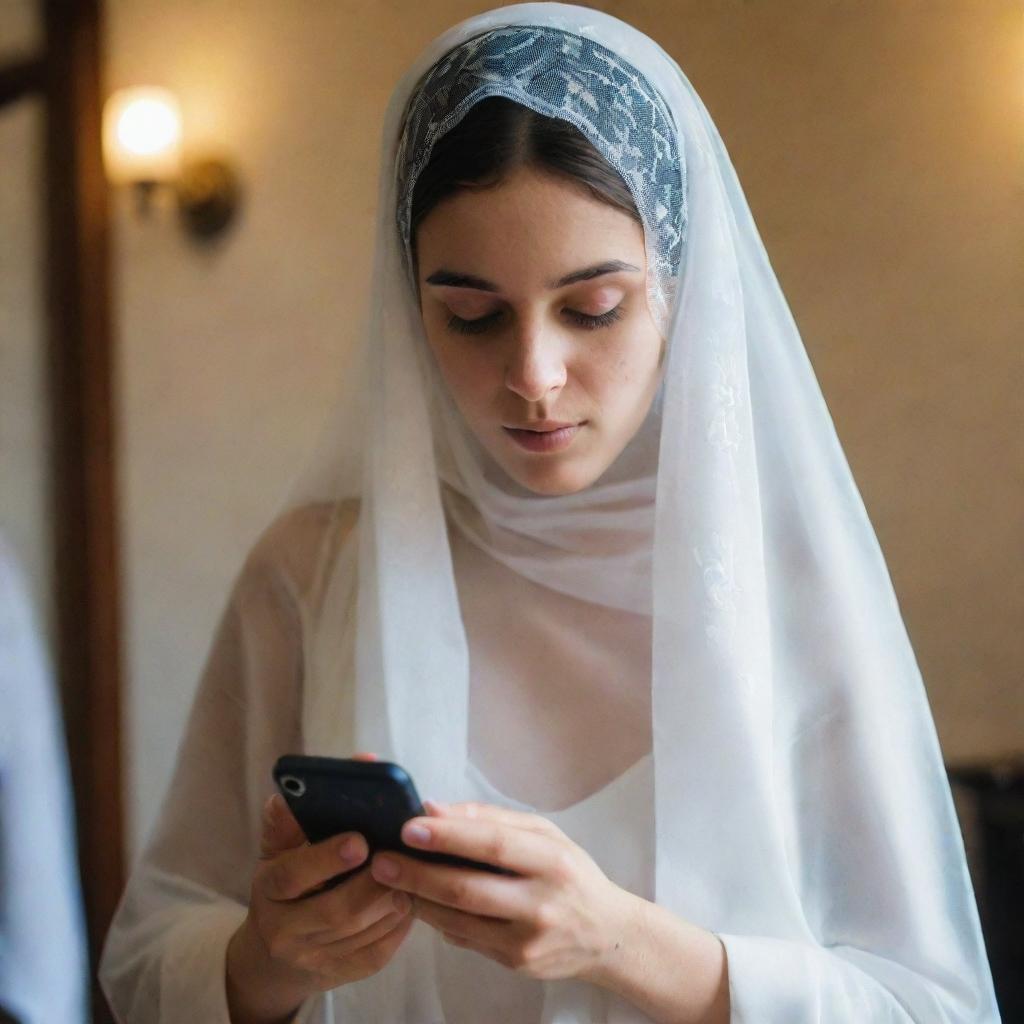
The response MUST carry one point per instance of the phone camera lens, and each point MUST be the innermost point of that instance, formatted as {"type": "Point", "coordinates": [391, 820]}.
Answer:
{"type": "Point", "coordinates": [293, 785]}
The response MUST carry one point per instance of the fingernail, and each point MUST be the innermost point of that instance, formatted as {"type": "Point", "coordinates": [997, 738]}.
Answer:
{"type": "Point", "coordinates": [416, 834]}
{"type": "Point", "coordinates": [350, 849]}
{"type": "Point", "coordinates": [385, 869]}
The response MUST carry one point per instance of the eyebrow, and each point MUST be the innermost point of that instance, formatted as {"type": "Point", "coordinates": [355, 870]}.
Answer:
{"type": "Point", "coordinates": [456, 280]}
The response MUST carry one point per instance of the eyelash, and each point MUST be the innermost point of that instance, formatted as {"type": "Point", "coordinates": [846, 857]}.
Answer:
{"type": "Point", "coordinates": [590, 323]}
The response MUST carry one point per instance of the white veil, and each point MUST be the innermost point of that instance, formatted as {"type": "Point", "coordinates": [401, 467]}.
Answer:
{"type": "Point", "coordinates": [789, 718]}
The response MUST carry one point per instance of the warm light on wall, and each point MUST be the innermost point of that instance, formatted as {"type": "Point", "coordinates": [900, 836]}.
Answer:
{"type": "Point", "coordinates": [142, 148]}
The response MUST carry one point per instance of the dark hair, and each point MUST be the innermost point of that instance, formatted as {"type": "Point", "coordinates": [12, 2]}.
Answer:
{"type": "Point", "coordinates": [498, 135]}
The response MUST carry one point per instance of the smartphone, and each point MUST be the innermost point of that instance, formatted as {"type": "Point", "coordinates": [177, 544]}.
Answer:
{"type": "Point", "coordinates": [329, 795]}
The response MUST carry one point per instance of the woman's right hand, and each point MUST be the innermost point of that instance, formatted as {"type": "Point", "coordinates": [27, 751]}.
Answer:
{"type": "Point", "coordinates": [295, 941]}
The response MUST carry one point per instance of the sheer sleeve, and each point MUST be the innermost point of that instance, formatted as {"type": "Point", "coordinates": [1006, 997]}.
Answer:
{"type": "Point", "coordinates": [884, 884]}
{"type": "Point", "coordinates": [164, 957]}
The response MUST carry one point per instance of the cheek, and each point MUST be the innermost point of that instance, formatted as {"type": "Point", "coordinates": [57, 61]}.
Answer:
{"type": "Point", "coordinates": [622, 384]}
{"type": "Point", "coordinates": [622, 373]}
{"type": "Point", "coordinates": [468, 379]}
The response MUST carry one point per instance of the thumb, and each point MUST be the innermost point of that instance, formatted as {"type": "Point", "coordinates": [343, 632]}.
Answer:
{"type": "Point", "coordinates": [280, 829]}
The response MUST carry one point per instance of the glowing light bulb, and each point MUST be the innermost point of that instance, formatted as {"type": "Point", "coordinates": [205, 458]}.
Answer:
{"type": "Point", "coordinates": [142, 135]}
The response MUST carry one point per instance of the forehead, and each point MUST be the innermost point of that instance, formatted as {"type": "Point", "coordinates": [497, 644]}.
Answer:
{"type": "Point", "coordinates": [530, 228]}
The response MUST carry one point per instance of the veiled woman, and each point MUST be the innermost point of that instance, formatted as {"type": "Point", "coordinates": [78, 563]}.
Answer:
{"type": "Point", "coordinates": [580, 551]}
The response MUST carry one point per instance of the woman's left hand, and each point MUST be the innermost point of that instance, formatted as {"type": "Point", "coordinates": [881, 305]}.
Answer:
{"type": "Point", "coordinates": [561, 917]}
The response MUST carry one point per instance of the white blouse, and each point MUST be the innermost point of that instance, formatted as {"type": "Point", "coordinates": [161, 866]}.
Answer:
{"type": "Point", "coordinates": [475, 988]}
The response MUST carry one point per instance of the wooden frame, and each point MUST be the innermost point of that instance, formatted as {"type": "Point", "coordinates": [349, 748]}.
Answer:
{"type": "Point", "coordinates": [21, 78]}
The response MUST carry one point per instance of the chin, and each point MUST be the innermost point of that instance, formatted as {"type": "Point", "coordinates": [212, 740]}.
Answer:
{"type": "Point", "coordinates": [554, 480]}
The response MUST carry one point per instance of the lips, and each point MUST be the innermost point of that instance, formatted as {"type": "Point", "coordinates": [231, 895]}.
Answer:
{"type": "Point", "coordinates": [544, 440]}
{"type": "Point", "coordinates": [541, 426]}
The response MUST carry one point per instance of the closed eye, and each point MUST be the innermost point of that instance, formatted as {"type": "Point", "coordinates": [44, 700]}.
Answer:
{"type": "Point", "coordinates": [584, 320]}
{"type": "Point", "coordinates": [456, 323]}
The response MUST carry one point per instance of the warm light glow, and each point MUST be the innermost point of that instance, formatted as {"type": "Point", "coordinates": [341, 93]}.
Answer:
{"type": "Point", "coordinates": [141, 135]}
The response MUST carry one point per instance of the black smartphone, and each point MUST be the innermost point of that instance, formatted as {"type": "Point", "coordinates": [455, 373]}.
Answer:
{"type": "Point", "coordinates": [329, 795]}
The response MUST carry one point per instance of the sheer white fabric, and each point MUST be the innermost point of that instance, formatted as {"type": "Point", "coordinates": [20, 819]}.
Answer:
{"type": "Point", "coordinates": [717, 600]}
{"type": "Point", "coordinates": [164, 957]}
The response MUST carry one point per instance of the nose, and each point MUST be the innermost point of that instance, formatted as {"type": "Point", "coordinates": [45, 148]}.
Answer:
{"type": "Point", "coordinates": [536, 365]}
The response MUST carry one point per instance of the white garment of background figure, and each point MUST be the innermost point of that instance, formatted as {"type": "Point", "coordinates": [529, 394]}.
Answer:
{"type": "Point", "coordinates": [43, 958]}
{"type": "Point", "coordinates": [659, 645]}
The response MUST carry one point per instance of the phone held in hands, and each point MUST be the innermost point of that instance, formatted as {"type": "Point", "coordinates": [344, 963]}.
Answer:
{"type": "Point", "coordinates": [329, 795]}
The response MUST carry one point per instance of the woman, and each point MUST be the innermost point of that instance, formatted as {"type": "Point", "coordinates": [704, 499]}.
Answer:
{"type": "Point", "coordinates": [602, 582]}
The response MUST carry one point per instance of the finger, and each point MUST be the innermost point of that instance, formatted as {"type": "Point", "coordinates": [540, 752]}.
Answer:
{"type": "Point", "coordinates": [477, 809]}
{"type": "Point", "coordinates": [349, 908]}
{"type": "Point", "coordinates": [492, 954]}
{"type": "Point", "coordinates": [293, 873]}
{"type": "Point", "coordinates": [280, 829]}
{"type": "Point", "coordinates": [365, 757]}
{"type": "Point", "coordinates": [493, 935]}
{"type": "Point", "coordinates": [349, 944]}
{"type": "Point", "coordinates": [468, 889]}
{"type": "Point", "coordinates": [491, 840]}
{"type": "Point", "coordinates": [373, 947]}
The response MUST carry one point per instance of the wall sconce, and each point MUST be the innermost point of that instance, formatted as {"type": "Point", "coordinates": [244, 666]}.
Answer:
{"type": "Point", "coordinates": [142, 149]}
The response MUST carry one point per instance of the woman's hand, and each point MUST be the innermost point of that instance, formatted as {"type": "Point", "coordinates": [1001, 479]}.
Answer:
{"type": "Point", "coordinates": [560, 919]}
{"type": "Point", "coordinates": [296, 941]}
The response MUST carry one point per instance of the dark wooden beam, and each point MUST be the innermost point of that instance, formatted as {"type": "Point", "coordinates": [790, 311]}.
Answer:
{"type": "Point", "coordinates": [21, 78]}
{"type": "Point", "coordinates": [84, 494]}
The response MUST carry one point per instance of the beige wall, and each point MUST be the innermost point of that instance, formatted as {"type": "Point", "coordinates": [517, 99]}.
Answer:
{"type": "Point", "coordinates": [879, 145]}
